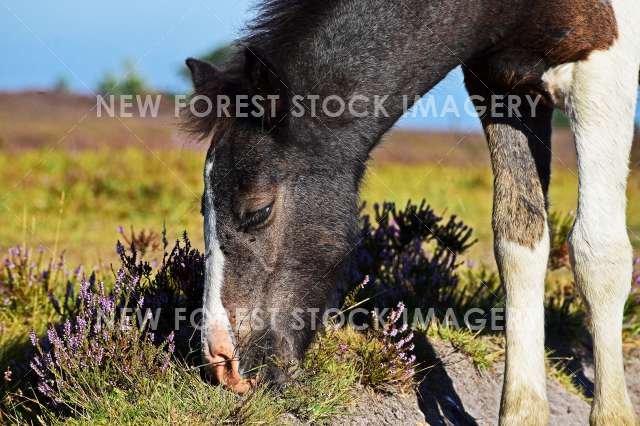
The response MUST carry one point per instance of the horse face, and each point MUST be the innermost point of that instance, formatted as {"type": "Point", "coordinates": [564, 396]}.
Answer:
{"type": "Point", "coordinates": [280, 212]}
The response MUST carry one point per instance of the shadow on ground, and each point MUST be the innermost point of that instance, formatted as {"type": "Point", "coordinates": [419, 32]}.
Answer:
{"type": "Point", "coordinates": [437, 396]}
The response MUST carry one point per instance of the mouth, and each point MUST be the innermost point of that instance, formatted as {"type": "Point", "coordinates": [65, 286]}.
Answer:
{"type": "Point", "coordinates": [221, 361]}
{"type": "Point", "coordinates": [225, 371]}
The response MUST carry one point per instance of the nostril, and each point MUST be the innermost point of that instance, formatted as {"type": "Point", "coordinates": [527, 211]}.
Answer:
{"type": "Point", "coordinates": [226, 372]}
{"type": "Point", "coordinates": [222, 365]}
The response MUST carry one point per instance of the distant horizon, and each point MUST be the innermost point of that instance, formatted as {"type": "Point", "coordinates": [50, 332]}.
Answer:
{"type": "Point", "coordinates": [81, 43]}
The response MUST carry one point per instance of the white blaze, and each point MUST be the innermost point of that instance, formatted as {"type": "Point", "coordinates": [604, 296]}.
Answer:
{"type": "Point", "coordinates": [213, 314]}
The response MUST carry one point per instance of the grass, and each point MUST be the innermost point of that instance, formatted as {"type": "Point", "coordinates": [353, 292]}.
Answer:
{"type": "Point", "coordinates": [102, 190]}
{"type": "Point", "coordinates": [179, 397]}
{"type": "Point", "coordinates": [483, 351]}
{"type": "Point", "coordinates": [105, 189]}
{"type": "Point", "coordinates": [556, 369]}
{"type": "Point", "coordinates": [76, 201]}
{"type": "Point", "coordinates": [467, 192]}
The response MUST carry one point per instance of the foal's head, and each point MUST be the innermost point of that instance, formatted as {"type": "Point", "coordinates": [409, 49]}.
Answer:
{"type": "Point", "coordinates": [280, 208]}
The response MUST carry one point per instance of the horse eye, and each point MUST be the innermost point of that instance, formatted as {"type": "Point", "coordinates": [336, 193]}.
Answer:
{"type": "Point", "coordinates": [256, 218]}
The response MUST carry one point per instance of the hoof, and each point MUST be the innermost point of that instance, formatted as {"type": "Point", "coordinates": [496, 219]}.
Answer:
{"type": "Point", "coordinates": [618, 415]}
{"type": "Point", "coordinates": [524, 408]}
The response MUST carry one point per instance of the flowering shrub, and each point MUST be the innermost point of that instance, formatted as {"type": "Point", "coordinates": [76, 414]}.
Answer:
{"type": "Point", "coordinates": [25, 274]}
{"type": "Point", "coordinates": [100, 349]}
{"type": "Point", "coordinates": [27, 278]}
{"type": "Point", "coordinates": [409, 255]}
{"type": "Point", "coordinates": [382, 355]}
{"type": "Point", "coordinates": [174, 289]}
{"type": "Point", "coordinates": [398, 344]}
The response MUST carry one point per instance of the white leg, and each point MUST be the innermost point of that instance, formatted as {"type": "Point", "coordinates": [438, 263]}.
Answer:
{"type": "Point", "coordinates": [521, 158]}
{"type": "Point", "coordinates": [524, 397]}
{"type": "Point", "coordinates": [601, 104]}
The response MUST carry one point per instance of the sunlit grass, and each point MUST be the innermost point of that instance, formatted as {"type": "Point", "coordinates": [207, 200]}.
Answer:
{"type": "Point", "coordinates": [483, 351]}
{"type": "Point", "coordinates": [467, 192]}
{"type": "Point", "coordinates": [102, 190]}
{"type": "Point", "coordinates": [108, 188]}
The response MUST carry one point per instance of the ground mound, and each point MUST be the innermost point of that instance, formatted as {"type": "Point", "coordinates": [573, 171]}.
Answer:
{"type": "Point", "coordinates": [455, 392]}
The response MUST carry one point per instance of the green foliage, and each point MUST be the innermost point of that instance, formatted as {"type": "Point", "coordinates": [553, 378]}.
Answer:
{"type": "Point", "coordinates": [364, 353]}
{"type": "Point", "coordinates": [481, 350]}
{"type": "Point", "coordinates": [178, 397]}
{"type": "Point", "coordinates": [128, 83]}
{"type": "Point", "coordinates": [560, 120]}
{"type": "Point", "coordinates": [322, 388]}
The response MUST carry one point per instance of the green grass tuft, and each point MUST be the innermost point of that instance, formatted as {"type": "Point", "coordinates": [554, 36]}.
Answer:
{"type": "Point", "coordinates": [482, 350]}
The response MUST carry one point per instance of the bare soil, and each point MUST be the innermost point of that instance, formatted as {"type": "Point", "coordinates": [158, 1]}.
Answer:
{"type": "Point", "coordinates": [454, 392]}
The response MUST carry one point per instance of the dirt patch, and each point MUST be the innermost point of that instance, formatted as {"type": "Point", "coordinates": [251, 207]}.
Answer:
{"type": "Point", "coordinates": [461, 395]}
{"type": "Point", "coordinates": [454, 392]}
{"type": "Point", "coordinates": [383, 409]}
{"type": "Point", "coordinates": [632, 373]}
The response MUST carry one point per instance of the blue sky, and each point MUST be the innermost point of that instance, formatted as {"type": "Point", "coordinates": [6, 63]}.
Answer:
{"type": "Point", "coordinates": [81, 40]}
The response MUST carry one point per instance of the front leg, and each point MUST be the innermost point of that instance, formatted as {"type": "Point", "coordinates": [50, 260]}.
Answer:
{"type": "Point", "coordinates": [520, 157]}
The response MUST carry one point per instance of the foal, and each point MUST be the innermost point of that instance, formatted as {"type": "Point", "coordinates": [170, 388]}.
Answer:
{"type": "Point", "coordinates": [283, 190]}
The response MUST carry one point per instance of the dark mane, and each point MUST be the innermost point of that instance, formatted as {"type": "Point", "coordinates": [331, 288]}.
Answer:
{"type": "Point", "coordinates": [279, 24]}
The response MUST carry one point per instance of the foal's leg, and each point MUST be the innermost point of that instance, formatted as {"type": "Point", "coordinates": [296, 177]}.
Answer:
{"type": "Point", "coordinates": [520, 157]}
{"type": "Point", "coordinates": [601, 103]}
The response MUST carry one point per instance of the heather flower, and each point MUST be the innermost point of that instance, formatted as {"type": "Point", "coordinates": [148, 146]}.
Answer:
{"type": "Point", "coordinates": [398, 342]}
{"type": "Point", "coordinates": [365, 281]}
{"type": "Point", "coordinates": [171, 343]}
{"type": "Point", "coordinates": [392, 253]}
{"type": "Point", "coordinates": [92, 340]}
{"type": "Point", "coordinates": [45, 389]}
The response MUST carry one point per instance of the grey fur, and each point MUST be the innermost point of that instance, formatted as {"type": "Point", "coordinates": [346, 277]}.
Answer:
{"type": "Point", "coordinates": [312, 167]}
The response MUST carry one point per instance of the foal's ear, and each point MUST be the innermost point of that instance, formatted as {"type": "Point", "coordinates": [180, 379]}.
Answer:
{"type": "Point", "coordinates": [264, 79]}
{"type": "Point", "coordinates": [201, 73]}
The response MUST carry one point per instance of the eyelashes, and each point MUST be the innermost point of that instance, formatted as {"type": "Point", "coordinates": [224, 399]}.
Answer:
{"type": "Point", "coordinates": [256, 218]}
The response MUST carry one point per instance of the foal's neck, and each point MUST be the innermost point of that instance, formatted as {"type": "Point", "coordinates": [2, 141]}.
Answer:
{"type": "Point", "coordinates": [399, 48]}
